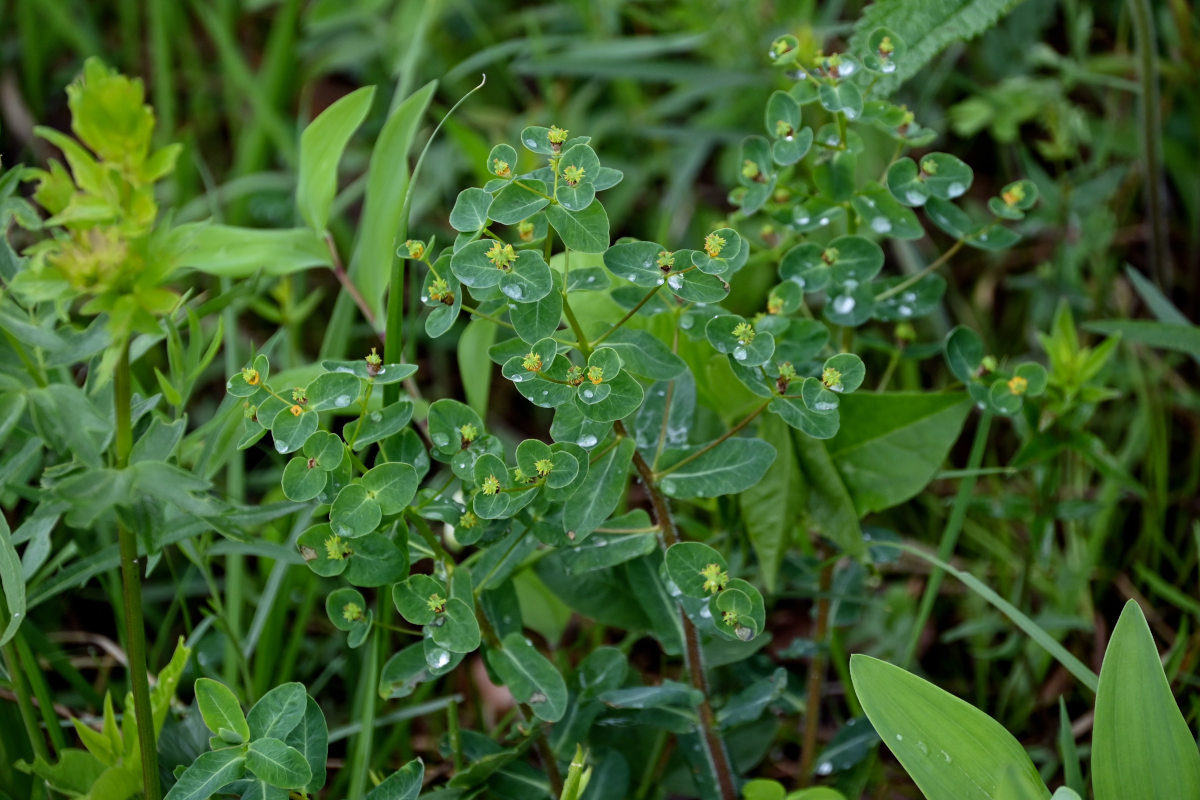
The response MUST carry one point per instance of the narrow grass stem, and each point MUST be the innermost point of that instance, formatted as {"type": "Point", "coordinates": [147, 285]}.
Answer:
{"type": "Point", "coordinates": [24, 702]}
{"type": "Point", "coordinates": [628, 316]}
{"type": "Point", "coordinates": [693, 656]}
{"type": "Point", "coordinates": [949, 535]}
{"type": "Point", "coordinates": [131, 584]}
{"type": "Point", "coordinates": [916, 277]}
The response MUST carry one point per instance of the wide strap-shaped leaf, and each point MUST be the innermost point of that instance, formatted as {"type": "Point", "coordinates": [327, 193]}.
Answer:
{"type": "Point", "coordinates": [951, 750]}
{"type": "Point", "coordinates": [1142, 749]}
{"type": "Point", "coordinates": [321, 148]}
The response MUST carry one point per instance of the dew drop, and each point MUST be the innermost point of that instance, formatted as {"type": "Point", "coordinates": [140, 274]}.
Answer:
{"type": "Point", "coordinates": [376, 416]}
{"type": "Point", "coordinates": [424, 298]}
{"type": "Point", "coordinates": [847, 68]}
{"type": "Point", "coordinates": [591, 279]}
{"type": "Point", "coordinates": [924, 748]}
{"type": "Point", "coordinates": [281, 446]}
{"type": "Point", "coordinates": [802, 220]}
{"type": "Point", "coordinates": [909, 297]}
{"type": "Point", "coordinates": [531, 143]}
{"type": "Point", "coordinates": [228, 384]}
{"type": "Point", "coordinates": [915, 198]}
{"type": "Point", "coordinates": [850, 113]}
{"type": "Point", "coordinates": [824, 220]}
{"type": "Point", "coordinates": [513, 290]}
{"type": "Point", "coordinates": [880, 225]}
{"type": "Point", "coordinates": [667, 486]}
{"type": "Point", "coordinates": [342, 400]}
{"type": "Point", "coordinates": [439, 658]}
{"type": "Point", "coordinates": [899, 737]}
{"type": "Point", "coordinates": [600, 541]}
{"type": "Point", "coordinates": [441, 439]}
{"type": "Point", "coordinates": [672, 588]}
{"type": "Point", "coordinates": [824, 768]}
{"type": "Point", "coordinates": [850, 284]}
{"type": "Point", "coordinates": [887, 67]}
{"type": "Point", "coordinates": [588, 394]}
{"type": "Point", "coordinates": [659, 282]}
{"type": "Point", "coordinates": [675, 282]}
{"type": "Point", "coordinates": [843, 304]}
{"type": "Point", "coordinates": [905, 311]}
{"type": "Point", "coordinates": [946, 757]}
{"type": "Point", "coordinates": [587, 440]}
{"type": "Point", "coordinates": [705, 612]}
{"type": "Point", "coordinates": [686, 323]}
{"type": "Point", "coordinates": [740, 353]}
{"type": "Point", "coordinates": [824, 406]}
{"type": "Point", "coordinates": [955, 189]}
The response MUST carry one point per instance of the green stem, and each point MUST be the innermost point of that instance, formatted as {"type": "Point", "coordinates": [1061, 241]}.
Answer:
{"type": "Point", "coordinates": [816, 677]}
{"type": "Point", "coordinates": [693, 456]}
{"type": "Point", "coordinates": [42, 692]}
{"type": "Point", "coordinates": [131, 581]}
{"type": "Point", "coordinates": [1142, 17]}
{"type": "Point", "coordinates": [393, 334]}
{"type": "Point", "coordinates": [364, 712]}
{"type": "Point", "coordinates": [235, 491]}
{"type": "Point", "coordinates": [949, 535]}
{"type": "Point", "coordinates": [24, 703]}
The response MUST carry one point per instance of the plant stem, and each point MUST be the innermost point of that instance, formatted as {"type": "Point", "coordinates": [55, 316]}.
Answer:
{"type": "Point", "coordinates": [628, 315]}
{"type": "Point", "coordinates": [393, 332]}
{"type": "Point", "coordinates": [41, 691]}
{"type": "Point", "coordinates": [131, 581]}
{"type": "Point", "coordinates": [360, 754]}
{"type": "Point", "coordinates": [949, 535]}
{"type": "Point", "coordinates": [693, 456]}
{"type": "Point", "coordinates": [816, 677]}
{"type": "Point", "coordinates": [340, 272]}
{"type": "Point", "coordinates": [693, 657]}
{"type": "Point", "coordinates": [1142, 17]}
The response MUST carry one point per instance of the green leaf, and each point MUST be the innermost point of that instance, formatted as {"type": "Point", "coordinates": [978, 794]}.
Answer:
{"type": "Point", "coordinates": [1181, 338]}
{"type": "Point", "coordinates": [843, 96]}
{"type": "Point", "coordinates": [277, 712]}
{"type": "Point", "coordinates": [302, 482]}
{"type": "Point", "coordinates": [13, 582]}
{"type": "Point", "coordinates": [321, 146]}
{"type": "Point", "coordinates": [277, 764]}
{"type": "Point", "coordinates": [835, 178]}
{"type": "Point", "coordinates": [771, 508]}
{"type": "Point", "coordinates": [381, 375]}
{"type": "Point", "coordinates": [597, 497]}
{"type": "Point", "coordinates": [290, 431]}
{"type": "Point", "coordinates": [964, 353]}
{"type": "Point", "coordinates": [603, 551]}
{"type": "Point", "coordinates": [375, 560]}
{"type": "Point", "coordinates": [379, 424]}
{"type": "Point", "coordinates": [518, 201]}
{"type": "Point", "coordinates": [529, 279]}
{"type": "Point", "coordinates": [905, 182]}
{"type": "Point", "coordinates": [890, 446]}
{"type": "Point", "coordinates": [830, 507]}
{"type": "Point", "coordinates": [326, 449]}
{"type": "Point", "coordinates": [636, 262]}
{"type": "Point", "coordinates": [797, 414]}
{"type": "Point", "coordinates": [624, 396]}
{"type": "Point", "coordinates": [1142, 748]}
{"type": "Point", "coordinates": [697, 569]}
{"type": "Point", "coordinates": [354, 512]}
{"type": "Point", "coordinates": [585, 231]}
{"type": "Point", "coordinates": [926, 27]}
{"type": "Point", "coordinates": [470, 212]}
{"type": "Point", "coordinates": [530, 677]}
{"type": "Point", "coordinates": [502, 160]}
{"type": "Point", "coordinates": [456, 629]}
{"type": "Point", "coordinates": [403, 784]}
{"type": "Point", "coordinates": [534, 321]}
{"type": "Point", "coordinates": [698, 287]}
{"type": "Point", "coordinates": [414, 598]}
{"type": "Point", "coordinates": [392, 486]}
{"type": "Point", "coordinates": [950, 749]}
{"type": "Point", "coordinates": [385, 206]}
{"type": "Point", "coordinates": [222, 714]}
{"type": "Point", "coordinates": [332, 390]}
{"type": "Point", "coordinates": [449, 421]}
{"type": "Point", "coordinates": [579, 196]}
{"type": "Point", "coordinates": [880, 212]}
{"type": "Point", "coordinates": [472, 266]}
{"type": "Point", "coordinates": [232, 252]}
{"type": "Point", "coordinates": [644, 354]}
{"type": "Point", "coordinates": [208, 774]}
{"type": "Point", "coordinates": [730, 467]}
{"type": "Point", "coordinates": [946, 176]}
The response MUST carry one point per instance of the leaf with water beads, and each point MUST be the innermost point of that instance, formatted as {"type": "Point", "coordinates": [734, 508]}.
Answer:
{"type": "Point", "coordinates": [301, 481]}
{"type": "Point", "coordinates": [817, 424]}
{"type": "Point", "coordinates": [849, 305]}
{"type": "Point", "coordinates": [905, 183]}
{"type": "Point", "coordinates": [843, 96]}
{"type": "Point", "coordinates": [735, 337]}
{"type": "Point", "coordinates": [696, 569]}
{"type": "Point", "coordinates": [917, 300]}
{"type": "Point", "coordinates": [730, 467]}
{"type": "Point", "coordinates": [881, 213]}
{"type": "Point", "coordinates": [379, 424]}
{"type": "Point", "coordinates": [332, 390]}
{"type": "Point", "coordinates": [638, 262]}
{"type": "Point", "coordinates": [290, 430]}
{"type": "Point", "coordinates": [946, 176]}
{"type": "Point", "coordinates": [354, 512]}
{"type": "Point", "coordinates": [529, 278]}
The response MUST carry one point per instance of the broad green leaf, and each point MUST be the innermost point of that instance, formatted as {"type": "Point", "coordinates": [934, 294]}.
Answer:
{"type": "Point", "coordinates": [470, 212]}
{"type": "Point", "coordinates": [380, 375]}
{"type": "Point", "coordinates": [375, 560]}
{"type": "Point", "coordinates": [890, 446]}
{"type": "Point", "coordinates": [644, 354]}
{"type": "Point", "coordinates": [602, 551]}
{"type": "Point", "coordinates": [951, 750]}
{"type": "Point", "coordinates": [730, 467]}
{"type": "Point", "coordinates": [278, 764]}
{"type": "Point", "coordinates": [221, 711]}
{"type": "Point", "coordinates": [277, 712]}
{"type": "Point", "coordinates": [456, 628]}
{"type": "Point", "coordinates": [817, 424]}
{"type": "Point", "coordinates": [697, 286]}
{"type": "Point", "coordinates": [530, 677]}
{"type": "Point", "coordinates": [385, 210]}
{"type": "Point", "coordinates": [392, 486]}
{"type": "Point", "coordinates": [697, 569]}
{"type": "Point", "coordinates": [585, 231]}
{"type": "Point", "coordinates": [946, 176]}
{"type": "Point", "coordinates": [452, 426]}
{"type": "Point", "coordinates": [502, 160]}
{"type": "Point", "coordinates": [379, 424]}
{"type": "Point", "coordinates": [637, 262]}
{"type": "Point", "coordinates": [964, 353]}
{"type": "Point", "coordinates": [208, 774]}
{"type": "Point", "coordinates": [232, 252]}
{"type": "Point", "coordinates": [772, 508]}
{"type": "Point", "coordinates": [290, 430]}
{"type": "Point", "coordinates": [830, 507]}
{"type": "Point", "coordinates": [906, 183]}
{"type": "Point", "coordinates": [1142, 748]}
{"type": "Point", "coordinates": [529, 279]}
{"type": "Point", "coordinates": [597, 497]}
{"type": "Point", "coordinates": [844, 96]}
{"type": "Point", "coordinates": [623, 397]}
{"type": "Point", "coordinates": [835, 178]}
{"type": "Point", "coordinates": [535, 321]}
{"type": "Point", "coordinates": [354, 512]}
{"type": "Point", "coordinates": [301, 482]}
{"type": "Point", "coordinates": [417, 598]}
{"type": "Point", "coordinates": [332, 390]}
{"type": "Point", "coordinates": [403, 784]}
{"type": "Point", "coordinates": [473, 266]}
{"type": "Point", "coordinates": [321, 146]}
{"type": "Point", "coordinates": [518, 201]}
{"type": "Point", "coordinates": [881, 213]}
{"type": "Point", "coordinates": [13, 582]}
